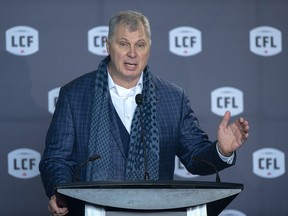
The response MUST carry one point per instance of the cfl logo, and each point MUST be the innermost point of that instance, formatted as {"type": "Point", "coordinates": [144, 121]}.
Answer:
{"type": "Point", "coordinates": [227, 98]}
{"type": "Point", "coordinates": [22, 40]}
{"type": "Point", "coordinates": [185, 41]}
{"type": "Point", "coordinates": [52, 99]}
{"type": "Point", "coordinates": [265, 41]}
{"type": "Point", "coordinates": [97, 40]}
{"type": "Point", "coordinates": [23, 163]}
{"type": "Point", "coordinates": [268, 163]}
{"type": "Point", "coordinates": [181, 171]}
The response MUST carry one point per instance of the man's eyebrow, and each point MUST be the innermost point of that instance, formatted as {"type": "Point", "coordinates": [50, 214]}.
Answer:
{"type": "Point", "coordinates": [140, 40]}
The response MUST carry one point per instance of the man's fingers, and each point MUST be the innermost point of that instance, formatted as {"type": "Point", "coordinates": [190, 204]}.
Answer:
{"type": "Point", "coordinates": [55, 209]}
{"type": "Point", "coordinates": [53, 205]}
{"type": "Point", "coordinates": [243, 127]}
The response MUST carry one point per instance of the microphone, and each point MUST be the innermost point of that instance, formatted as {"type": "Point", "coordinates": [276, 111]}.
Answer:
{"type": "Point", "coordinates": [139, 99]}
{"type": "Point", "coordinates": [210, 164]}
{"type": "Point", "coordinates": [78, 168]}
{"type": "Point", "coordinates": [139, 102]}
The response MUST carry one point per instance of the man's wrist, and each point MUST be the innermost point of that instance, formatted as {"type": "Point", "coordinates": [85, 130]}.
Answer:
{"type": "Point", "coordinates": [222, 153]}
{"type": "Point", "coordinates": [228, 159]}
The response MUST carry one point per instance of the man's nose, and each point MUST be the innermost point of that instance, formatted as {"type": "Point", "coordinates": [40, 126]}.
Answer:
{"type": "Point", "coordinates": [132, 52]}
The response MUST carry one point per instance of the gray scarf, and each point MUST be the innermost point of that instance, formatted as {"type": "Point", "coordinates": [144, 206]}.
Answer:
{"type": "Point", "coordinates": [101, 138]}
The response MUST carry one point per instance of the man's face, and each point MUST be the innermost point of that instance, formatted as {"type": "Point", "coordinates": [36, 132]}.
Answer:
{"type": "Point", "coordinates": [129, 52]}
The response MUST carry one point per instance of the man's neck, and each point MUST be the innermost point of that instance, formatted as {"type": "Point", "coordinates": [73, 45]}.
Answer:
{"type": "Point", "coordinates": [127, 83]}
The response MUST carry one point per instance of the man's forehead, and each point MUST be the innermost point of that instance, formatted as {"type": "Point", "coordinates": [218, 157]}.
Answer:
{"type": "Point", "coordinates": [130, 28]}
{"type": "Point", "coordinates": [124, 31]}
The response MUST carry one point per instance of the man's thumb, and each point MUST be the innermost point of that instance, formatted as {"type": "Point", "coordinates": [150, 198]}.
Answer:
{"type": "Point", "coordinates": [226, 118]}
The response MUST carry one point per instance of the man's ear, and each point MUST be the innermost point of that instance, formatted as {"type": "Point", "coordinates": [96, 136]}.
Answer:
{"type": "Point", "coordinates": [107, 47]}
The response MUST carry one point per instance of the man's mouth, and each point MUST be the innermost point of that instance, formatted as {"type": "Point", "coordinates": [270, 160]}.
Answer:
{"type": "Point", "coordinates": [130, 65]}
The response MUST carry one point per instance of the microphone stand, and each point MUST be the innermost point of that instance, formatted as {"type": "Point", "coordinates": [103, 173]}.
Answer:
{"type": "Point", "coordinates": [210, 164]}
{"type": "Point", "coordinates": [77, 170]}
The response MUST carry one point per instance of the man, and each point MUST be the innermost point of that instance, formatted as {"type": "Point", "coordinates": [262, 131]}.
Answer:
{"type": "Point", "coordinates": [97, 114]}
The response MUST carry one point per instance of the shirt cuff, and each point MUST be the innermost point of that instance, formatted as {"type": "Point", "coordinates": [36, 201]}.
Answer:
{"type": "Point", "coordinates": [228, 160]}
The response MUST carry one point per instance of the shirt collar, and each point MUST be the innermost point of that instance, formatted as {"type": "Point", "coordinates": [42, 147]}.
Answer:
{"type": "Point", "coordinates": [113, 86]}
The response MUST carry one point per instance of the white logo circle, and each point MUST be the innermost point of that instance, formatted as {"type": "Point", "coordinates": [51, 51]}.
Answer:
{"type": "Point", "coordinates": [227, 98]}
{"type": "Point", "coordinates": [181, 171]}
{"type": "Point", "coordinates": [97, 40]}
{"type": "Point", "coordinates": [23, 163]}
{"type": "Point", "coordinates": [268, 163]}
{"type": "Point", "coordinates": [265, 41]}
{"type": "Point", "coordinates": [231, 212]}
{"type": "Point", "coordinates": [52, 99]}
{"type": "Point", "coordinates": [185, 41]}
{"type": "Point", "coordinates": [22, 40]}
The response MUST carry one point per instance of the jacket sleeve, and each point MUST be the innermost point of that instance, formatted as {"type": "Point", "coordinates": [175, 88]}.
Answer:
{"type": "Point", "coordinates": [57, 163]}
{"type": "Point", "coordinates": [194, 142]}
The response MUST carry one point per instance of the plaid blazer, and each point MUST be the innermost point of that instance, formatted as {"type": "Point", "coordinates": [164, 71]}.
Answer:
{"type": "Point", "coordinates": [68, 135]}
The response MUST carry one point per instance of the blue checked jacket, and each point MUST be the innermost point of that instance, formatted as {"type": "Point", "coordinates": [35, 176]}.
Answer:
{"type": "Point", "coordinates": [68, 135]}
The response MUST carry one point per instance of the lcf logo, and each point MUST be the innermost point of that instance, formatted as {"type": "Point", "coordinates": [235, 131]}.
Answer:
{"type": "Point", "coordinates": [227, 98]}
{"type": "Point", "coordinates": [185, 41]}
{"type": "Point", "coordinates": [52, 99]}
{"type": "Point", "coordinates": [23, 163]}
{"type": "Point", "coordinates": [97, 40]}
{"type": "Point", "coordinates": [268, 163]}
{"type": "Point", "coordinates": [22, 40]}
{"type": "Point", "coordinates": [265, 41]}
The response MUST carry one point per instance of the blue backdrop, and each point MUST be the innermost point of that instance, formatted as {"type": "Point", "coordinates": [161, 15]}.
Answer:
{"type": "Point", "coordinates": [227, 54]}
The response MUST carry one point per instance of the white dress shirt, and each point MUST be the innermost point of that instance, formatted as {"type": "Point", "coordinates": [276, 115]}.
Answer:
{"type": "Point", "coordinates": [124, 100]}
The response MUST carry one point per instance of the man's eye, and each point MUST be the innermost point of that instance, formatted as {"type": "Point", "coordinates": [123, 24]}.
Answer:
{"type": "Point", "coordinates": [140, 46]}
{"type": "Point", "coordinates": [124, 45]}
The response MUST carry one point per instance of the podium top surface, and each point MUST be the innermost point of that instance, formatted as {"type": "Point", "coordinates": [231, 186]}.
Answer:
{"type": "Point", "coordinates": [150, 195]}
{"type": "Point", "coordinates": [151, 184]}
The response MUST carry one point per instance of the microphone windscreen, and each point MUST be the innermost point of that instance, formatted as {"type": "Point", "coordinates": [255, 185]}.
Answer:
{"type": "Point", "coordinates": [139, 99]}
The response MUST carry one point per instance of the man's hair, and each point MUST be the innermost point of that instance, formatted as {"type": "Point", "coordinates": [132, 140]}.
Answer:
{"type": "Point", "coordinates": [131, 19]}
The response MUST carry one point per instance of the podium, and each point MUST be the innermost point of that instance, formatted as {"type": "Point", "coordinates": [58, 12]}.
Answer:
{"type": "Point", "coordinates": [188, 198]}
